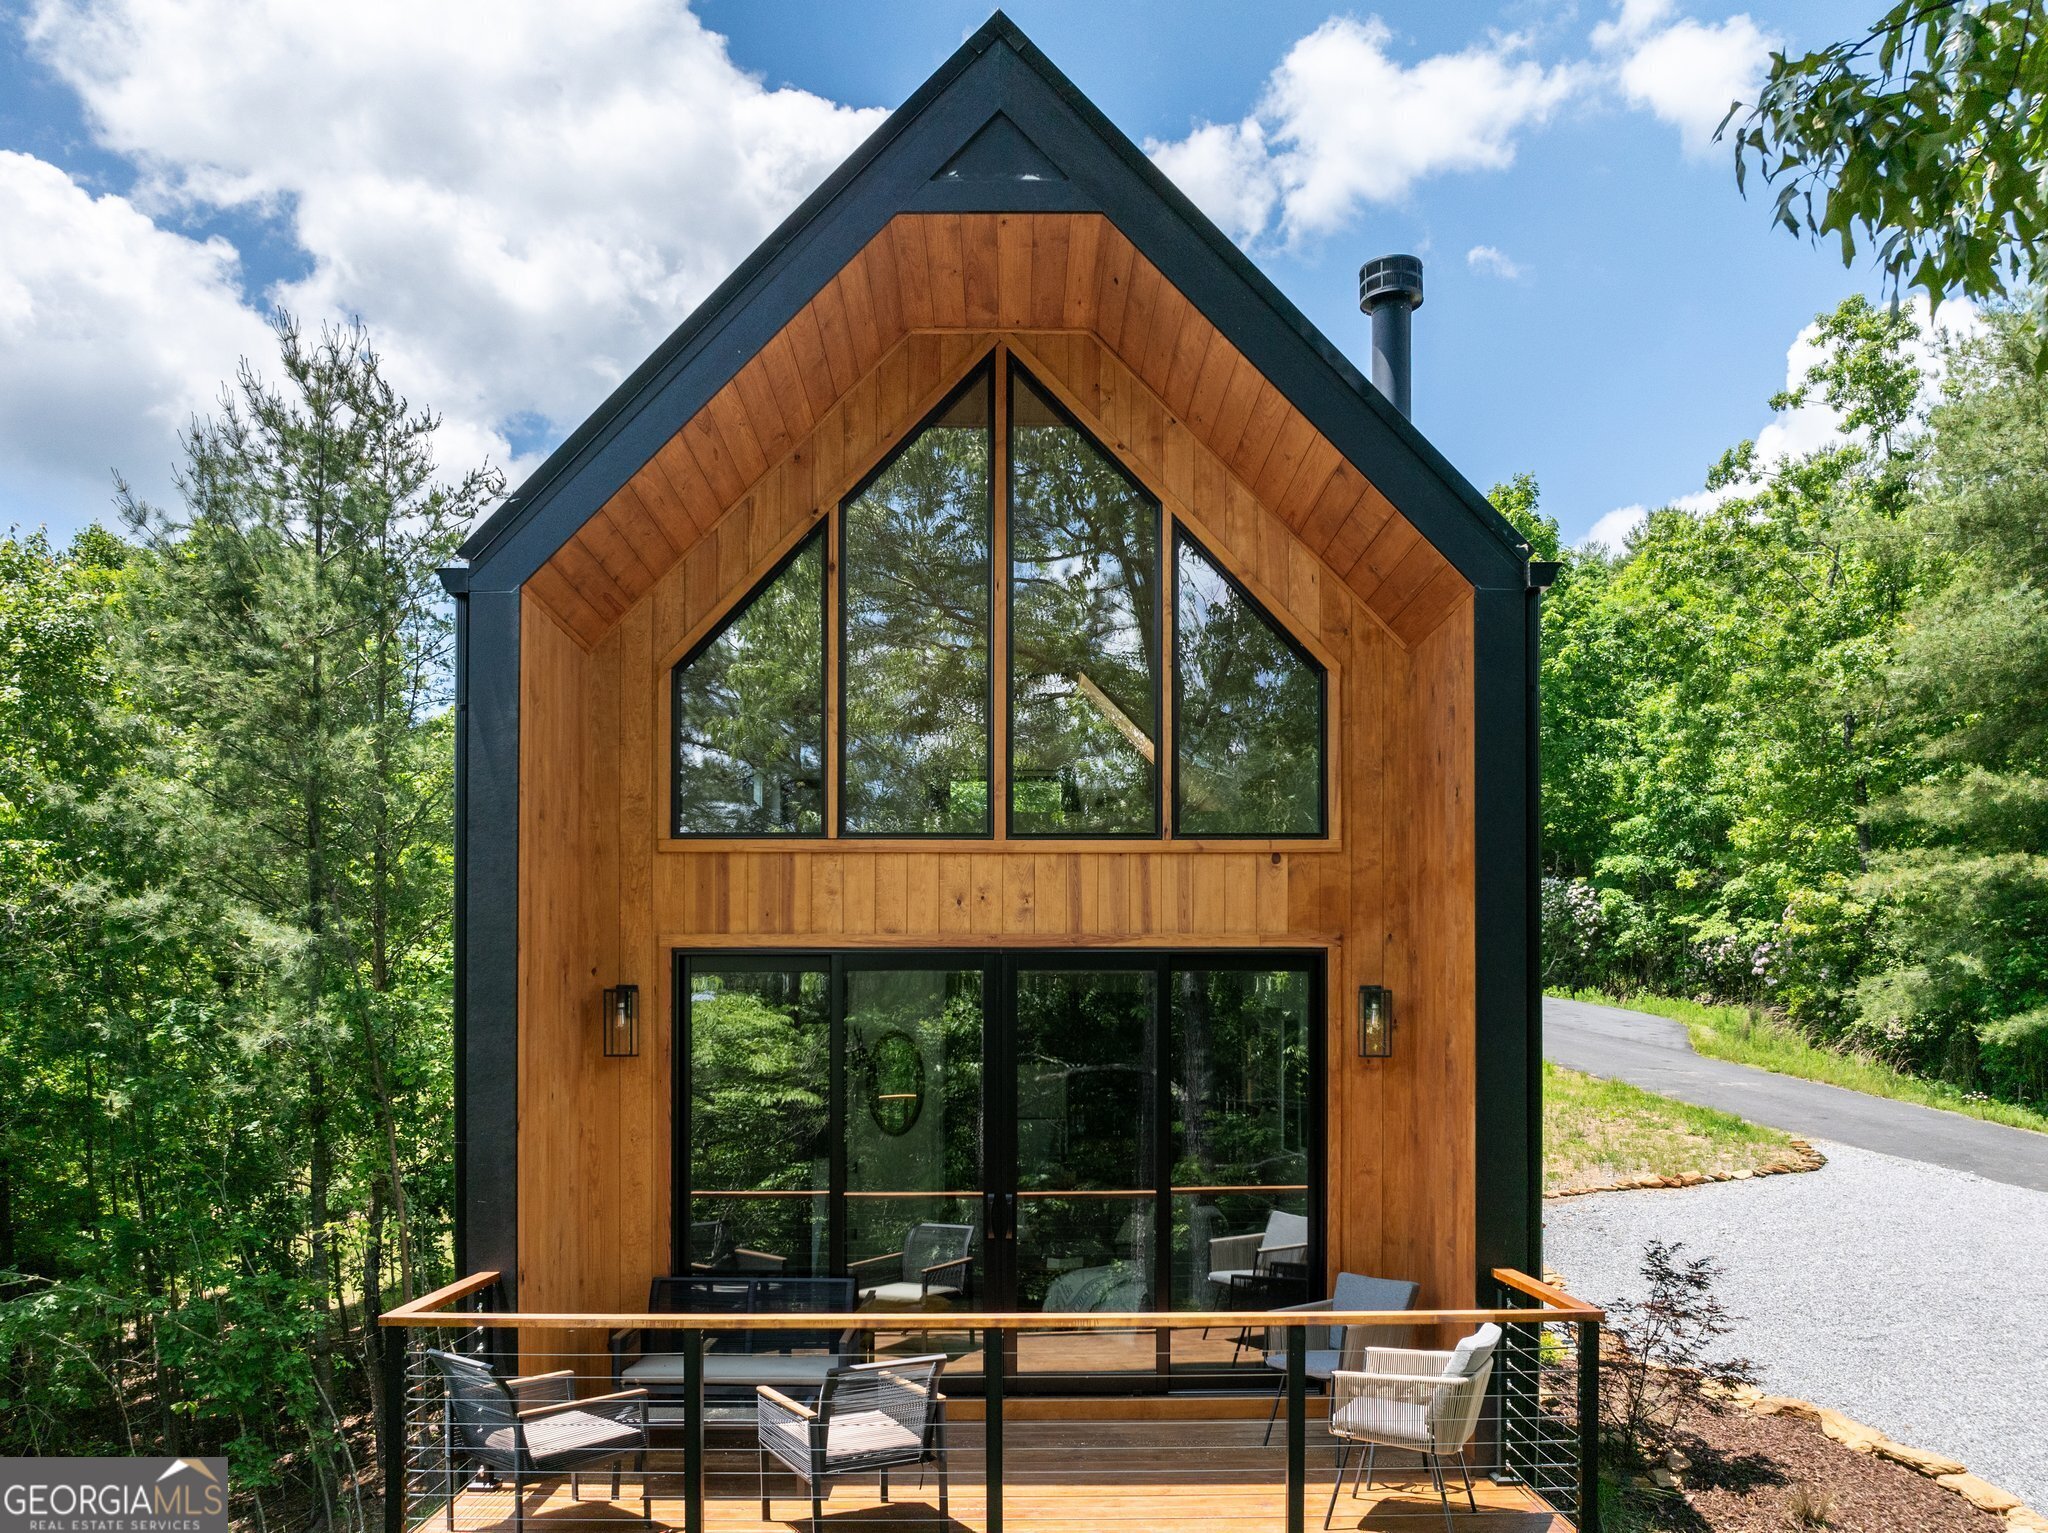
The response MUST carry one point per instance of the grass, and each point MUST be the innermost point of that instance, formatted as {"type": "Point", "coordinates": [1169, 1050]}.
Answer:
{"type": "Point", "coordinates": [1750, 1037]}
{"type": "Point", "coordinates": [1596, 1133]}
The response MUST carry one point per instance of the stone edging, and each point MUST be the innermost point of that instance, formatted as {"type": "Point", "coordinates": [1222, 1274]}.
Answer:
{"type": "Point", "coordinates": [1858, 1438]}
{"type": "Point", "coordinates": [1801, 1156]}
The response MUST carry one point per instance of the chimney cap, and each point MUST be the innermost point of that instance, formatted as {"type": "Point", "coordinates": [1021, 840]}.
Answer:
{"type": "Point", "coordinates": [1387, 278]}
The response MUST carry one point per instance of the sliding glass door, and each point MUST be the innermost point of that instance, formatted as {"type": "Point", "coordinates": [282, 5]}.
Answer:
{"type": "Point", "coordinates": [1070, 1132]}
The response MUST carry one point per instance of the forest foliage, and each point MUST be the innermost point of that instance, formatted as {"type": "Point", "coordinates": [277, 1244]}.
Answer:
{"type": "Point", "coordinates": [1795, 743]}
{"type": "Point", "coordinates": [225, 878]}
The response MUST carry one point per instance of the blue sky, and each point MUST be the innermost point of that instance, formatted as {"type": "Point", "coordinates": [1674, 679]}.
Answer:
{"type": "Point", "coordinates": [521, 198]}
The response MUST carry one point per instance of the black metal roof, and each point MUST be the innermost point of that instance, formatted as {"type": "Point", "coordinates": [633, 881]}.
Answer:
{"type": "Point", "coordinates": [995, 129]}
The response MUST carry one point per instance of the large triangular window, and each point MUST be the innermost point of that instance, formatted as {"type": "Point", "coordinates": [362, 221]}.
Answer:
{"type": "Point", "coordinates": [1084, 631]}
{"type": "Point", "coordinates": [999, 541]}
{"type": "Point", "coordinates": [748, 711]}
{"type": "Point", "coordinates": [1248, 721]}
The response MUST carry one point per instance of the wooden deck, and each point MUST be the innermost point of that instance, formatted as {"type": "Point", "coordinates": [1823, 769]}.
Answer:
{"type": "Point", "coordinates": [1100, 1464]}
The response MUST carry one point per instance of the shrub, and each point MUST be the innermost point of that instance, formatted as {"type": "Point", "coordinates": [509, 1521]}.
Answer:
{"type": "Point", "coordinates": [1659, 1360]}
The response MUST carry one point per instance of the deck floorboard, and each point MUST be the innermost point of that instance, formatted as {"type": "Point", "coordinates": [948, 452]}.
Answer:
{"type": "Point", "coordinates": [1061, 1476]}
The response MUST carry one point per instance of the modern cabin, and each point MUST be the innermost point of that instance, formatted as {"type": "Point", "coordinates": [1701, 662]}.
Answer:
{"type": "Point", "coordinates": [998, 742]}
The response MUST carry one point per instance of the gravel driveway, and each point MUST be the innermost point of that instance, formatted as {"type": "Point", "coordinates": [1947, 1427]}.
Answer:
{"type": "Point", "coordinates": [1906, 1295]}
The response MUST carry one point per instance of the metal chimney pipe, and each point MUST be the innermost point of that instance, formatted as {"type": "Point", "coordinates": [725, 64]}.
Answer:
{"type": "Point", "coordinates": [1389, 290]}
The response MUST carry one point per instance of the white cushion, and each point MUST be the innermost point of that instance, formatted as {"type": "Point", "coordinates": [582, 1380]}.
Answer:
{"type": "Point", "coordinates": [905, 1293]}
{"type": "Point", "coordinates": [734, 1368]}
{"type": "Point", "coordinates": [1472, 1352]}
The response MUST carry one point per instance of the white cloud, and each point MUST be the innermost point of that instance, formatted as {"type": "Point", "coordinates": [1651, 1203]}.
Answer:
{"type": "Point", "coordinates": [1342, 122]}
{"type": "Point", "coordinates": [1684, 71]}
{"type": "Point", "coordinates": [1812, 427]}
{"type": "Point", "coordinates": [520, 198]}
{"type": "Point", "coordinates": [113, 332]}
{"type": "Point", "coordinates": [1612, 530]}
{"type": "Point", "coordinates": [1489, 262]}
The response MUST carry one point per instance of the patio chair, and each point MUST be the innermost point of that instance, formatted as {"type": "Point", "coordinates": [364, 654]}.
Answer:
{"type": "Point", "coordinates": [936, 1262]}
{"type": "Point", "coordinates": [1331, 1347]}
{"type": "Point", "coordinates": [1426, 1402]}
{"type": "Point", "coordinates": [534, 1428]}
{"type": "Point", "coordinates": [872, 1416]}
{"type": "Point", "coordinates": [1285, 1238]}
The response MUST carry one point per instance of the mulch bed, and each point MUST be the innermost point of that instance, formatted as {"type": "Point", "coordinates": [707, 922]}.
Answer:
{"type": "Point", "coordinates": [1747, 1471]}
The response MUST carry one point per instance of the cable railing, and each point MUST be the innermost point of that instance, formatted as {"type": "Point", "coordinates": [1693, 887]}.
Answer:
{"type": "Point", "coordinates": [716, 1422]}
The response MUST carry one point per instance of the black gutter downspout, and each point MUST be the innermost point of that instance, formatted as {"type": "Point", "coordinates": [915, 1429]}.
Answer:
{"type": "Point", "coordinates": [1541, 575]}
{"type": "Point", "coordinates": [455, 581]}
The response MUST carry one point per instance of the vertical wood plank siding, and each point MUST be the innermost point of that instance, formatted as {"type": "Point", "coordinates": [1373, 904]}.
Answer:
{"type": "Point", "coordinates": [605, 895]}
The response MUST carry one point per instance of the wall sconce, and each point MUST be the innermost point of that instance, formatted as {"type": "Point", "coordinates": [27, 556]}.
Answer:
{"type": "Point", "coordinates": [619, 1018]}
{"type": "Point", "coordinates": [1375, 1022]}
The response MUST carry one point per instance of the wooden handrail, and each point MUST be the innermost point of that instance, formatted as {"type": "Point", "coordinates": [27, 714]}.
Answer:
{"type": "Point", "coordinates": [742, 1193]}
{"type": "Point", "coordinates": [1556, 1298]}
{"type": "Point", "coordinates": [431, 1304]}
{"type": "Point", "coordinates": [1556, 1306]}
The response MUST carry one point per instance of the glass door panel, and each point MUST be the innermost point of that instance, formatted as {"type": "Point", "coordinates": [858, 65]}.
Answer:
{"type": "Point", "coordinates": [913, 1064]}
{"type": "Point", "coordinates": [759, 1108]}
{"type": "Point", "coordinates": [1085, 1039]}
{"type": "Point", "coordinates": [1238, 1064]}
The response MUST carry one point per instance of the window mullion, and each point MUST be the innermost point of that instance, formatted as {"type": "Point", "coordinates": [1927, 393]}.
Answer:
{"type": "Point", "coordinates": [999, 615]}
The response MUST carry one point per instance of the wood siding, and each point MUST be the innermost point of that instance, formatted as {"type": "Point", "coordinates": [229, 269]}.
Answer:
{"type": "Point", "coordinates": [606, 895]}
{"type": "Point", "coordinates": [931, 273]}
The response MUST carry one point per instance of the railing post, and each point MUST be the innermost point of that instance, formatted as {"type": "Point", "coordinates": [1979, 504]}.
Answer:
{"type": "Point", "coordinates": [1589, 1426]}
{"type": "Point", "coordinates": [993, 1363]}
{"type": "Point", "coordinates": [693, 1431]}
{"type": "Point", "coordinates": [1297, 1428]}
{"type": "Point", "coordinates": [393, 1339]}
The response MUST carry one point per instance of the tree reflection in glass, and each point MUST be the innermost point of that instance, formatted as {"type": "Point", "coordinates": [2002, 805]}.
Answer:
{"type": "Point", "coordinates": [917, 588]}
{"type": "Point", "coordinates": [1084, 631]}
{"type": "Point", "coordinates": [1248, 712]}
{"type": "Point", "coordinates": [749, 718]}
{"type": "Point", "coordinates": [760, 1105]}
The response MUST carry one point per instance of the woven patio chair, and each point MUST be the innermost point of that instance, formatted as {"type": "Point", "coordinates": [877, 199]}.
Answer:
{"type": "Point", "coordinates": [872, 1416]}
{"type": "Point", "coordinates": [534, 1429]}
{"type": "Point", "coordinates": [936, 1262]}
{"type": "Point", "coordinates": [1425, 1402]}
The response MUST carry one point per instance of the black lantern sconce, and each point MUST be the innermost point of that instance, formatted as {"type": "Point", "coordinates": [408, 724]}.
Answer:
{"type": "Point", "coordinates": [619, 1018]}
{"type": "Point", "coordinates": [1375, 1022]}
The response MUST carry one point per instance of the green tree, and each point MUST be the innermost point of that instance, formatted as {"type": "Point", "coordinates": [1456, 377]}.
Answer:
{"type": "Point", "coordinates": [289, 648]}
{"type": "Point", "coordinates": [1923, 138]}
{"type": "Point", "coordinates": [1963, 898]}
{"type": "Point", "coordinates": [1708, 755]}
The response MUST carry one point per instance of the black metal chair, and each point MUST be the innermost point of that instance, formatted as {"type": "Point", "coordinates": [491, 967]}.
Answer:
{"type": "Point", "coordinates": [489, 1421]}
{"type": "Point", "coordinates": [872, 1416]}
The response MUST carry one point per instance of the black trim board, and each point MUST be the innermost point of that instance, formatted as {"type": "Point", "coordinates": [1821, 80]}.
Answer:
{"type": "Point", "coordinates": [995, 71]}
{"type": "Point", "coordinates": [487, 938]}
{"type": "Point", "coordinates": [1506, 1010]}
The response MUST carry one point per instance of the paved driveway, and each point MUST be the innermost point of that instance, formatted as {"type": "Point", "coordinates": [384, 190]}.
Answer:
{"type": "Point", "coordinates": [1908, 1295]}
{"type": "Point", "coordinates": [1654, 1053]}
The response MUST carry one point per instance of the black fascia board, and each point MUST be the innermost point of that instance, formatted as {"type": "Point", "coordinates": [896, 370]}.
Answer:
{"type": "Point", "coordinates": [893, 172]}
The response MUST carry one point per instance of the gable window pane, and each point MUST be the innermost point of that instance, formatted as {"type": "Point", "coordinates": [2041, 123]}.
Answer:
{"type": "Point", "coordinates": [1084, 631]}
{"type": "Point", "coordinates": [749, 712]}
{"type": "Point", "coordinates": [1248, 712]}
{"type": "Point", "coordinates": [918, 585]}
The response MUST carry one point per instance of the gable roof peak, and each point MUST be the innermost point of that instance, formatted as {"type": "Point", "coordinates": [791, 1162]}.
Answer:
{"type": "Point", "coordinates": [1019, 137]}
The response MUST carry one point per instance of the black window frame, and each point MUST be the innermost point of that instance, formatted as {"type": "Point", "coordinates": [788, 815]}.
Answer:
{"type": "Point", "coordinates": [983, 371]}
{"type": "Point", "coordinates": [1183, 534]}
{"type": "Point", "coordinates": [733, 614]}
{"type": "Point", "coordinates": [1001, 965]}
{"type": "Point", "coordinates": [1155, 831]}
